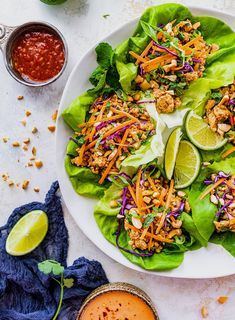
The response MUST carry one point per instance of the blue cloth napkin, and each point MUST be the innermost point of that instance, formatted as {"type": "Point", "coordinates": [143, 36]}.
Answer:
{"type": "Point", "coordinates": [28, 294]}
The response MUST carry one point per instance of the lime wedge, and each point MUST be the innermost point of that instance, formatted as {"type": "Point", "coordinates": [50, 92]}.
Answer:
{"type": "Point", "coordinates": [27, 233]}
{"type": "Point", "coordinates": [187, 165]}
{"type": "Point", "coordinates": [172, 147]}
{"type": "Point", "coordinates": [200, 133]}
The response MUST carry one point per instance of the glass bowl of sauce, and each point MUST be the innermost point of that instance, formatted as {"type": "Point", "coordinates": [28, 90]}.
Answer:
{"type": "Point", "coordinates": [35, 53]}
{"type": "Point", "coordinates": [117, 301]}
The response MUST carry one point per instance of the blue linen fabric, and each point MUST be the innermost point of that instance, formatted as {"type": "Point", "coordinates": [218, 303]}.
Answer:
{"type": "Point", "coordinates": [28, 294]}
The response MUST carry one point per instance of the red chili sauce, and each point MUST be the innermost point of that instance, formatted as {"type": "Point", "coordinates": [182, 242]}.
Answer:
{"type": "Point", "coordinates": [38, 56]}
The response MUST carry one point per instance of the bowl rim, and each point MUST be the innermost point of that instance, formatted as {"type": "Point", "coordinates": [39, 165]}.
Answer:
{"type": "Point", "coordinates": [119, 286]}
{"type": "Point", "coordinates": [13, 36]}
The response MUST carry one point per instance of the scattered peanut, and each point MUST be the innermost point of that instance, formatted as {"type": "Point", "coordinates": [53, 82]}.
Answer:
{"type": "Point", "coordinates": [20, 97]}
{"type": "Point", "coordinates": [11, 183]}
{"type": "Point", "coordinates": [54, 115]}
{"type": "Point", "coordinates": [16, 144]}
{"type": "Point", "coordinates": [5, 176]}
{"type": "Point", "coordinates": [27, 141]}
{"type": "Point", "coordinates": [38, 163]}
{"type": "Point", "coordinates": [5, 139]}
{"type": "Point", "coordinates": [34, 130]}
{"type": "Point", "coordinates": [28, 113]}
{"type": "Point", "coordinates": [36, 189]}
{"type": "Point", "coordinates": [204, 312]}
{"type": "Point", "coordinates": [23, 122]}
{"type": "Point", "coordinates": [32, 158]}
{"type": "Point", "coordinates": [51, 128]}
{"type": "Point", "coordinates": [29, 164]}
{"type": "Point", "coordinates": [25, 184]}
{"type": "Point", "coordinates": [25, 147]}
{"type": "Point", "coordinates": [34, 151]}
{"type": "Point", "coordinates": [222, 299]}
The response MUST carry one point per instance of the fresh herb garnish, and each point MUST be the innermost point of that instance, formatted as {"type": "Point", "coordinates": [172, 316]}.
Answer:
{"type": "Point", "coordinates": [217, 96]}
{"type": "Point", "coordinates": [149, 219]}
{"type": "Point", "coordinates": [98, 141]}
{"type": "Point", "coordinates": [55, 268]}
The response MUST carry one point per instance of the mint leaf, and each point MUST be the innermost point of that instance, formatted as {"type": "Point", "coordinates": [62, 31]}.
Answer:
{"type": "Point", "coordinates": [69, 282]}
{"type": "Point", "coordinates": [104, 55]}
{"type": "Point", "coordinates": [149, 30]}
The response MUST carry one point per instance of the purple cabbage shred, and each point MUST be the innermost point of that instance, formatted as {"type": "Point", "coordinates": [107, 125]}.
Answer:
{"type": "Point", "coordinates": [223, 208]}
{"type": "Point", "coordinates": [166, 49]}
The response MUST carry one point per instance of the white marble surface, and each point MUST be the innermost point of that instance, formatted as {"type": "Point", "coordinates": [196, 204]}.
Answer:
{"type": "Point", "coordinates": [83, 24]}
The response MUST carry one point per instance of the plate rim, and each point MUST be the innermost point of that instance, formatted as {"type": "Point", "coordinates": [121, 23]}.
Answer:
{"type": "Point", "coordinates": [128, 264]}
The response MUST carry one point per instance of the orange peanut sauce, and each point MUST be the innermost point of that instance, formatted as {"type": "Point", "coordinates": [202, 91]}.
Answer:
{"type": "Point", "coordinates": [117, 305]}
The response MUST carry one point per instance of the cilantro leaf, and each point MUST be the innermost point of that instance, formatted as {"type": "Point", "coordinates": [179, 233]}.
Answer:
{"type": "Point", "coordinates": [96, 75]}
{"type": "Point", "coordinates": [51, 266]}
{"type": "Point", "coordinates": [104, 55]}
{"type": "Point", "coordinates": [68, 282]}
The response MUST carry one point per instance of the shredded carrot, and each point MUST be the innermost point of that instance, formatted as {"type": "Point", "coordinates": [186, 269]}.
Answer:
{"type": "Point", "coordinates": [125, 114]}
{"type": "Point", "coordinates": [193, 41]}
{"type": "Point", "coordinates": [151, 239]}
{"type": "Point", "coordinates": [138, 189]}
{"type": "Point", "coordinates": [156, 61]}
{"type": "Point", "coordinates": [111, 131]}
{"type": "Point", "coordinates": [230, 184]}
{"type": "Point", "coordinates": [90, 137]}
{"type": "Point", "coordinates": [149, 234]}
{"type": "Point", "coordinates": [137, 57]}
{"type": "Point", "coordinates": [231, 119]}
{"type": "Point", "coordinates": [152, 184]}
{"type": "Point", "coordinates": [228, 152]}
{"type": "Point", "coordinates": [146, 50]}
{"type": "Point", "coordinates": [211, 187]}
{"type": "Point", "coordinates": [170, 191]}
{"type": "Point", "coordinates": [144, 233]}
{"type": "Point", "coordinates": [107, 170]}
{"type": "Point", "coordinates": [161, 223]}
{"type": "Point", "coordinates": [161, 198]}
{"type": "Point", "coordinates": [90, 123]}
{"type": "Point", "coordinates": [123, 141]}
{"type": "Point", "coordinates": [132, 193]}
{"type": "Point", "coordinates": [81, 153]}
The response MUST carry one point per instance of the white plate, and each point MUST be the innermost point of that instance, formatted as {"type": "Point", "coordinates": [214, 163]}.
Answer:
{"type": "Point", "coordinates": [209, 262]}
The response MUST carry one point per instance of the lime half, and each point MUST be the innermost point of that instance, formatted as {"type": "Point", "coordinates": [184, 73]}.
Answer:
{"type": "Point", "coordinates": [27, 233]}
{"type": "Point", "coordinates": [200, 133]}
{"type": "Point", "coordinates": [172, 147]}
{"type": "Point", "coordinates": [187, 165]}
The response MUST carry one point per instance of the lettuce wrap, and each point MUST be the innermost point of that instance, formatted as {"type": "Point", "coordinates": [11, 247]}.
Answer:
{"type": "Point", "coordinates": [171, 256]}
{"type": "Point", "coordinates": [204, 211]}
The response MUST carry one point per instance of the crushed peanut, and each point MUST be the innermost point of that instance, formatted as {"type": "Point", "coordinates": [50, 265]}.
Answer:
{"type": "Point", "coordinates": [38, 163]}
{"type": "Point", "coordinates": [25, 147]}
{"type": "Point", "coordinates": [36, 189]}
{"type": "Point", "coordinates": [32, 158]}
{"type": "Point", "coordinates": [25, 184]}
{"type": "Point", "coordinates": [222, 299]}
{"type": "Point", "coordinates": [34, 130]}
{"type": "Point", "coordinates": [29, 164]}
{"type": "Point", "coordinates": [5, 176]}
{"type": "Point", "coordinates": [23, 122]}
{"type": "Point", "coordinates": [26, 141]}
{"type": "Point", "coordinates": [5, 139]}
{"type": "Point", "coordinates": [16, 144]}
{"type": "Point", "coordinates": [51, 128]}
{"type": "Point", "coordinates": [204, 312]}
{"type": "Point", "coordinates": [34, 151]}
{"type": "Point", "coordinates": [20, 97]}
{"type": "Point", "coordinates": [28, 113]}
{"type": "Point", "coordinates": [11, 183]}
{"type": "Point", "coordinates": [54, 115]}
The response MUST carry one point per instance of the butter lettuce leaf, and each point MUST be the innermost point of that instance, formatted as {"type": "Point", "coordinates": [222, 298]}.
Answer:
{"type": "Point", "coordinates": [171, 257]}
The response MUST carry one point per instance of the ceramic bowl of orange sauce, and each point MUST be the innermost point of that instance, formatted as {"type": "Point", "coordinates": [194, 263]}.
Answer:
{"type": "Point", "coordinates": [118, 301]}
